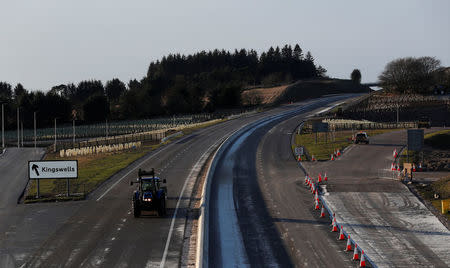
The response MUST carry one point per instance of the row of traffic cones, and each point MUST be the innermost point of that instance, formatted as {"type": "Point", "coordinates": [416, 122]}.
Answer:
{"type": "Point", "coordinates": [336, 153]}
{"type": "Point", "coordinates": [334, 226]}
{"type": "Point", "coordinates": [396, 167]}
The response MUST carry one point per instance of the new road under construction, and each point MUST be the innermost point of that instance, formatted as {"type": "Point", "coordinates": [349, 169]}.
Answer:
{"type": "Point", "coordinates": [237, 196]}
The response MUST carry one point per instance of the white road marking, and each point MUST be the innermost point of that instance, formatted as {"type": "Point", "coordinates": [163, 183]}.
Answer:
{"type": "Point", "coordinates": [196, 167]}
{"type": "Point", "coordinates": [128, 173]}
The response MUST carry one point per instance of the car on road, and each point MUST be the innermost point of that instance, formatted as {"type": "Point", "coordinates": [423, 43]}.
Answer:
{"type": "Point", "coordinates": [361, 137]}
{"type": "Point", "coordinates": [150, 195]}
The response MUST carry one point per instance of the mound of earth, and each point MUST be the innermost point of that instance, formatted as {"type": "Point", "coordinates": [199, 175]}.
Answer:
{"type": "Point", "coordinates": [301, 90]}
{"type": "Point", "coordinates": [265, 95]}
{"type": "Point", "coordinates": [314, 88]}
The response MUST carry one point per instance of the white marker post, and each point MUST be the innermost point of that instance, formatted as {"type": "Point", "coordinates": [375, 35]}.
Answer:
{"type": "Point", "coordinates": [53, 170]}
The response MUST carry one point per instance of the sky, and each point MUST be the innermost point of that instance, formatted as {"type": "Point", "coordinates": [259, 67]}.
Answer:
{"type": "Point", "coordinates": [50, 42]}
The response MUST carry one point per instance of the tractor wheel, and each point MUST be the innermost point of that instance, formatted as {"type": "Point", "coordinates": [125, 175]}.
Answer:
{"type": "Point", "coordinates": [162, 207]}
{"type": "Point", "coordinates": [136, 209]}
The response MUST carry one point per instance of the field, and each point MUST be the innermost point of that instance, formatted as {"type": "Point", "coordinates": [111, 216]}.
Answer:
{"type": "Point", "coordinates": [326, 146]}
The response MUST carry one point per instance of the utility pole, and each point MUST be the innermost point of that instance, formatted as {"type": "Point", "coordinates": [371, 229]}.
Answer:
{"type": "Point", "coordinates": [21, 126]}
{"type": "Point", "coordinates": [106, 128]}
{"type": "Point", "coordinates": [3, 125]}
{"type": "Point", "coordinates": [18, 129]}
{"type": "Point", "coordinates": [54, 150]}
{"type": "Point", "coordinates": [73, 130]}
{"type": "Point", "coordinates": [34, 120]}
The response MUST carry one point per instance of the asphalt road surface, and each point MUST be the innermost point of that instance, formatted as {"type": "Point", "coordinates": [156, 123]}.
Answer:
{"type": "Point", "coordinates": [101, 231]}
{"type": "Point", "coordinates": [256, 185]}
{"type": "Point", "coordinates": [392, 226]}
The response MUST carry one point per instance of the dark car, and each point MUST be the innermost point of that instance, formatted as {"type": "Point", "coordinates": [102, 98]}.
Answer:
{"type": "Point", "coordinates": [149, 195]}
{"type": "Point", "coordinates": [362, 137]}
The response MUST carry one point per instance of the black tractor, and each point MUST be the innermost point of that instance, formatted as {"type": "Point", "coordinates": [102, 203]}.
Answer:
{"type": "Point", "coordinates": [150, 195]}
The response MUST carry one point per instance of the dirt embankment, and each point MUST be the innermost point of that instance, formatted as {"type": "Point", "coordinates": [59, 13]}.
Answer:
{"type": "Point", "coordinates": [301, 90]}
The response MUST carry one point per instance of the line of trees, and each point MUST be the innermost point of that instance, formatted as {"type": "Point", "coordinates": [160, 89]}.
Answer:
{"type": "Point", "coordinates": [414, 75]}
{"type": "Point", "coordinates": [176, 84]}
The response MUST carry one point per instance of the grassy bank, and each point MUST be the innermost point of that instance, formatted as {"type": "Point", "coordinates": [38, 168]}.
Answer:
{"type": "Point", "coordinates": [438, 139]}
{"type": "Point", "coordinates": [326, 145]}
{"type": "Point", "coordinates": [441, 188]}
{"type": "Point", "coordinates": [93, 170]}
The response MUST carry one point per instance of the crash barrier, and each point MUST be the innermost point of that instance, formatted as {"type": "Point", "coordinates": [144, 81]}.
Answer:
{"type": "Point", "coordinates": [99, 149]}
{"type": "Point", "coordinates": [351, 245]}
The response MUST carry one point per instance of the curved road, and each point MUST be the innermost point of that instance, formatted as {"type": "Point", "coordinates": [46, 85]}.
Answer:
{"type": "Point", "coordinates": [101, 231]}
{"type": "Point", "coordinates": [257, 209]}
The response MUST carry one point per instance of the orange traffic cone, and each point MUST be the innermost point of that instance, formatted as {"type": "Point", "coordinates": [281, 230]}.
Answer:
{"type": "Point", "coordinates": [325, 177]}
{"type": "Point", "coordinates": [313, 158]}
{"type": "Point", "coordinates": [420, 166]}
{"type": "Point", "coordinates": [316, 206]}
{"type": "Point", "coordinates": [355, 253]}
{"type": "Point", "coordinates": [333, 219]}
{"type": "Point", "coordinates": [414, 168]}
{"type": "Point", "coordinates": [334, 227]}
{"type": "Point", "coordinates": [398, 167]}
{"type": "Point", "coordinates": [322, 212]}
{"type": "Point", "coordinates": [349, 244]}
{"type": "Point", "coordinates": [338, 152]}
{"type": "Point", "coordinates": [320, 178]}
{"type": "Point", "coordinates": [362, 263]}
{"type": "Point", "coordinates": [392, 167]}
{"type": "Point", "coordinates": [299, 158]}
{"type": "Point", "coordinates": [332, 157]}
{"type": "Point", "coordinates": [394, 154]}
{"type": "Point", "coordinates": [306, 179]}
{"type": "Point", "coordinates": [341, 234]}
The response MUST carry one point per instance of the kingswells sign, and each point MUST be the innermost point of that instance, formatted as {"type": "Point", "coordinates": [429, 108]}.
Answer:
{"type": "Point", "coordinates": [53, 169]}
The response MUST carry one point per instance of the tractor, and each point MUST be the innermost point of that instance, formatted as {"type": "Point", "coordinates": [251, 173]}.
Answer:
{"type": "Point", "coordinates": [149, 195]}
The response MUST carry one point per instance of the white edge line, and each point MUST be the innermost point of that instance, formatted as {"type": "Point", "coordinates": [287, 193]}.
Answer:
{"type": "Point", "coordinates": [169, 236]}
{"type": "Point", "coordinates": [128, 173]}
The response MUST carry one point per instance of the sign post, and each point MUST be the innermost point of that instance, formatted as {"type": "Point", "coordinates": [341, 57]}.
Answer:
{"type": "Point", "coordinates": [53, 170]}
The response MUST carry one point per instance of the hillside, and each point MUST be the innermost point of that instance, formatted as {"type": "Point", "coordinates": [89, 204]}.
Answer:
{"type": "Point", "coordinates": [301, 90]}
{"type": "Point", "coordinates": [314, 88]}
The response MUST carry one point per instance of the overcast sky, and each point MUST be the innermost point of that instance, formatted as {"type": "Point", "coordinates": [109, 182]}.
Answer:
{"type": "Point", "coordinates": [48, 42]}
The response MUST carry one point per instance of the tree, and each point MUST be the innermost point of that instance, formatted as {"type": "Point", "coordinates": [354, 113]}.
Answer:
{"type": "Point", "coordinates": [5, 92]}
{"type": "Point", "coordinates": [321, 72]}
{"type": "Point", "coordinates": [409, 75]}
{"type": "Point", "coordinates": [298, 54]}
{"type": "Point", "coordinates": [96, 109]}
{"type": "Point", "coordinates": [114, 89]}
{"type": "Point", "coordinates": [356, 76]}
{"type": "Point", "coordinates": [19, 92]}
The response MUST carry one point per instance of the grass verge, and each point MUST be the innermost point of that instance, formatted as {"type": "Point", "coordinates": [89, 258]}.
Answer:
{"type": "Point", "coordinates": [326, 145]}
{"type": "Point", "coordinates": [441, 188]}
{"type": "Point", "coordinates": [438, 139]}
{"type": "Point", "coordinates": [93, 170]}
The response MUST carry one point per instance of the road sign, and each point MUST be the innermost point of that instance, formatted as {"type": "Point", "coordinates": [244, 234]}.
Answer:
{"type": "Point", "coordinates": [298, 150]}
{"type": "Point", "coordinates": [319, 127]}
{"type": "Point", "coordinates": [415, 139]}
{"type": "Point", "coordinates": [53, 169]}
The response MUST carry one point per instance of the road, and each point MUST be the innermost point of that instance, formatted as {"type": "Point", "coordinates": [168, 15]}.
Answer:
{"type": "Point", "coordinates": [259, 214]}
{"type": "Point", "coordinates": [381, 214]}
{"type": "Point", "coordinates": [100, 231]}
